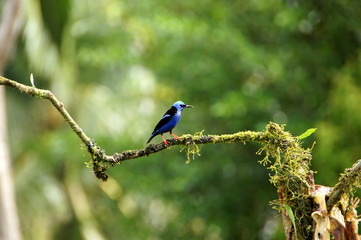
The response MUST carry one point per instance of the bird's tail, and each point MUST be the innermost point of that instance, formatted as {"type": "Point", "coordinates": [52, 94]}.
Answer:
{"type": "Point", "coordinates": [153, 135]}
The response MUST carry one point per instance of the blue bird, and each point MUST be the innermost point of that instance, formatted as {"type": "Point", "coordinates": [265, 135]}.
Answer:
{"type": "Point", "coordinates": [169, 121]}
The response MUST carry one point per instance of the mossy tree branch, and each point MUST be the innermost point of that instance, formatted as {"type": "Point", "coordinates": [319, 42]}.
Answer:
{"type": "Point", "coordinates": [291, 174]}
{"type": "Point", "coordinates": [346, 185]}
{"type": "Point", "coordinates": [273, 137]}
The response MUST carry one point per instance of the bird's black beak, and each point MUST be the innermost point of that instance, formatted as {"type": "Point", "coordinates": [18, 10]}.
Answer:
{"type": "Point", "coordinates": [189, 106]}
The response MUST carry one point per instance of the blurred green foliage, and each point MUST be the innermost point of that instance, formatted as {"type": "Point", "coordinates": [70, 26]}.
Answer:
{"type": "Point", "coordinates": [119, 65]}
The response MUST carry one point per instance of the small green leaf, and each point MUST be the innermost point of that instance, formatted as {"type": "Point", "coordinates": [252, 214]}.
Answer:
{"type": "Point", "coordinates": [307, 133]}
{"type": "Point", "coordinates": [290, 213]}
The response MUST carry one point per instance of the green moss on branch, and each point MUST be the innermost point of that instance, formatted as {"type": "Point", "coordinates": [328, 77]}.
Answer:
{"type": "Point", "coordinates": [346, 185]}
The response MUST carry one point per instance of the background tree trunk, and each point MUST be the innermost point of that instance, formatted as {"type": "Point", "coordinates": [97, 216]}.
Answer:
{"type": "Point", "coordinates": [10, 26]}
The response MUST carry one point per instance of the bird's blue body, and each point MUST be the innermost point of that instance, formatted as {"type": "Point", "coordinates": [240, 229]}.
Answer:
{"type": "Point", "coordinates": [171, 124]}
{"type": "Point", "coordinates": [169, 120]}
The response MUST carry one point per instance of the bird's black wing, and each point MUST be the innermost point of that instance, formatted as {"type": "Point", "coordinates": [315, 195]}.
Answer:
{"type": "Point", "coordinates": [166, 118]}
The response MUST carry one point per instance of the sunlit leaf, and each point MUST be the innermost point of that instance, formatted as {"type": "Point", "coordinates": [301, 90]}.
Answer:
{"type": "Point", "coordinates": [32, 79]}
{"type": "Point", "coordinates": [307, 133]}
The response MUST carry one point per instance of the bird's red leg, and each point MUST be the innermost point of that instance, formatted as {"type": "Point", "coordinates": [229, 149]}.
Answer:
{"type": "Point", "coordinates": [166, 143]}
{"type": "Point", "coordinates": [175, 136]}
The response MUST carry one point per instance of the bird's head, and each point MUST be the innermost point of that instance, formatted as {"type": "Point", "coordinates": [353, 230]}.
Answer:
{"type": "Point", "coordinates": [181, 105]}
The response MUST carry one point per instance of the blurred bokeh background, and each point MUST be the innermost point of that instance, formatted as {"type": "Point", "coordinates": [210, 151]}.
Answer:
{"type": "Point", "coordinates": [119, 65]}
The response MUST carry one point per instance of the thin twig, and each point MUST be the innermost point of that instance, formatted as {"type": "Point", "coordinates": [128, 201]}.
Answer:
{"type": "Point", "coordinates": [46, 94]}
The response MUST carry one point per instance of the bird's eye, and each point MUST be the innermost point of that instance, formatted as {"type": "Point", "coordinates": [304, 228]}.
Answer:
{"type": "Point", "coordinates": [183, 105]}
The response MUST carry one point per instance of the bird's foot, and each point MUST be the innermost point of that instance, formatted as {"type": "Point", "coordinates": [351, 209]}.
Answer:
{"type": "Point", "coordinates": [175, 136]}
{"type": "Point", "coordinates": [166, 143]}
